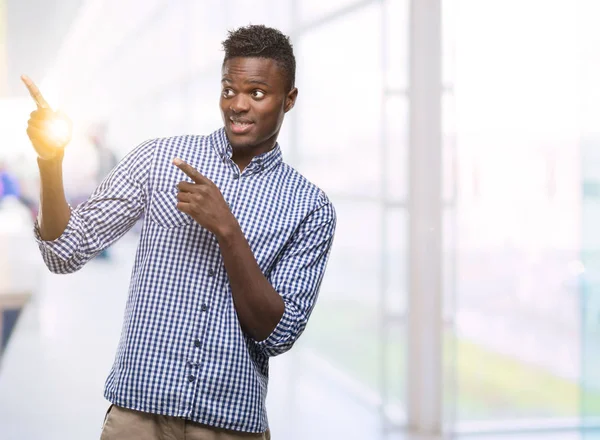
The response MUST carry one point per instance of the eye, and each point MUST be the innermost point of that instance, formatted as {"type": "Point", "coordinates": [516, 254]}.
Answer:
{"type": "Point", "coordinates": [258, 94]}
{"type": "Point", "coordinates": [227, 93]}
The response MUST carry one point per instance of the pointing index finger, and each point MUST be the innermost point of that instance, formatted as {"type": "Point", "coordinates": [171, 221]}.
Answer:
{"type": "Point", "coordinates": [192, 172]}
{"type": "Point", "coordinates": [34, 92]}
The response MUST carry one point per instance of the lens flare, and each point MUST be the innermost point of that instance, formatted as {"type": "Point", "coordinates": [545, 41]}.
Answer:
{"type": "Point", "coordinates": [59, 129]}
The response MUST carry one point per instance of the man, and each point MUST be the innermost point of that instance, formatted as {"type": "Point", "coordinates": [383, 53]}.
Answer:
{"type": "Point", "coordinates": [231, 255]}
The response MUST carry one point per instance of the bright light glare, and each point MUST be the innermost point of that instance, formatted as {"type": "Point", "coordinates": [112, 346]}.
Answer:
{"type": "Point", "coordinates": [59, 129]}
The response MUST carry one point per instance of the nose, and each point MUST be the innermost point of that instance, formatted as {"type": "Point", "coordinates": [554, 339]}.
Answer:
{"type": "Point", "coordinates": [239, 104]}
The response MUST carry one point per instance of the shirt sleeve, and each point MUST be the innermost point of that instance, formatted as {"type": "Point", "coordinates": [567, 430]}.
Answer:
{"type": "Point", "coordinates": [112, 209]}
{"type": "Point", "coordinates": [297, 278]}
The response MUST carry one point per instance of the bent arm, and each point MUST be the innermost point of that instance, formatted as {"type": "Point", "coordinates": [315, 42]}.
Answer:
{"type": "Point", "coordinates": [273, 310]}
{"type": "Point", "coordinates": [106, 216]}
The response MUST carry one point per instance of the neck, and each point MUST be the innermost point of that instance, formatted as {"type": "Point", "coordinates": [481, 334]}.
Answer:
{"type": "Point", "coordinates": [242, 156]}
{"type": "Point", "coordinates": [241, 160]}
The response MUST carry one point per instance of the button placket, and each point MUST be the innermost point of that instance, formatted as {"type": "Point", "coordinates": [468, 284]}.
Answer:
{"type": "Point", "coordinates": [234, 189]}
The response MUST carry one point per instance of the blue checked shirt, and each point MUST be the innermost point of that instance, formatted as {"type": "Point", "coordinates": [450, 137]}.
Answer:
{"type": "Point", "coordinates": [182, 351]}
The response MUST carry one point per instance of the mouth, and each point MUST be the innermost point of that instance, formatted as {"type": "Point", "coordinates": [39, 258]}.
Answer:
{"type": "Point", "coordinates": [240, 125]}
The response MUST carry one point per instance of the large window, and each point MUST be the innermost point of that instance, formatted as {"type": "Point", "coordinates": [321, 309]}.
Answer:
{"type": "Point", "coordinates": [518, 215]}
{"type": "Point", "coordinates": [351, 139]}
{"type": "Point", "coordinates": [519, 227]}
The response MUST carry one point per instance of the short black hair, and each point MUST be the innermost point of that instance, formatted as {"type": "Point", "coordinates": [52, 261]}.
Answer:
{"type": "Point", "coordinates": [261, 41]}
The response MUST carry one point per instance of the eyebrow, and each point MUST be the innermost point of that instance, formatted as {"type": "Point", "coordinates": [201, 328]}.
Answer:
{"type": "Point", "coordinates": [250, 81]}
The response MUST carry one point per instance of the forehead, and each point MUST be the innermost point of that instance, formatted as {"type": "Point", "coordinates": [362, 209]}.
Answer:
{"type": "Point", "coordinates": [248, 68]}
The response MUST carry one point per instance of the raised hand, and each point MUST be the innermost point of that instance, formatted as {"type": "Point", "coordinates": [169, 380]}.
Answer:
{"type": "Point", "coordinates": [49, 131]}
{"type": "Point", "coordinates": [204, 202]}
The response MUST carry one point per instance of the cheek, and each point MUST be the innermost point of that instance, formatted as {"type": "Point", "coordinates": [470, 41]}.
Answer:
{"type": "Point", "coordinates": [271, 111]}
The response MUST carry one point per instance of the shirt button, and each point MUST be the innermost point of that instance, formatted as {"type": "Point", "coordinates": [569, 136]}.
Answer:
{"type": "Point", "coordinates": [191, 378]}
{"type": "Point", "coordinates": [235, 177]}
{"type": "Point", "coordinates": [204, 307]}
{"type": "Point", "coordinates": [211, 272]}
{"type": "Point", "coordinates": [197, 343]}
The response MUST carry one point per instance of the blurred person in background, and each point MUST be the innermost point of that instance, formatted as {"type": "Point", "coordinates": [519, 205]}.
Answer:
{"type": "Point", "coordinates": [13, 185]}
{"type": "Point", "coordinates": [9, 184]}
{"type": "Point", "coordinates": [106, 160]}
{"type": "Point", "coordinates": [230, 260]}
{"type": "Point", "coordinates": [28, 184]}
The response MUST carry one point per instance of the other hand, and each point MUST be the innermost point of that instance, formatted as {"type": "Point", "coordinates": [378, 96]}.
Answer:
{"type": "Point", "coordinates": [49, 131]}
{"type": "Point", "coordinates": [203, 201]}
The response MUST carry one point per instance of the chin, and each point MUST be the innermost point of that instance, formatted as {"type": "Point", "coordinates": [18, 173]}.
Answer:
{"type": "Point", "coordinates": [238, 142]}
{"type": "Point", "coordinates": [241, 142]}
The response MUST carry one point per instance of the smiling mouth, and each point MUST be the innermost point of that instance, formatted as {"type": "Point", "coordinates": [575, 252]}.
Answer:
{"type": "Point", "coordinates": [240, 126]}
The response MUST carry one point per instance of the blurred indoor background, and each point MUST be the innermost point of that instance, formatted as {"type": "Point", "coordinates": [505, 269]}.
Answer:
{"type": "Point", "coordinates": [460, 143]}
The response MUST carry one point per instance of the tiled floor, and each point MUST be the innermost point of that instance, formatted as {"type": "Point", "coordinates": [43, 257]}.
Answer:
{"type": "Point", "coordinates": [53, 372]}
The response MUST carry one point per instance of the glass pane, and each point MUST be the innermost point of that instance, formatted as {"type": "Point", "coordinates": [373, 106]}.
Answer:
{"type": "Point", "coordinates": [396, 251]}
{"type": "Point", "coordinates": [449, 261]}
{"type": "Point", "coordinates": [171, 111]}
{"type": "Point", "coordinates": [348, 303]}
{"type": "Point", "coordinates": [273, 13]}
{"type": "Point", "coordinates": [393, 322]}
{"type": "Point", "coordinates": [314, 10]}
{"type": "Point", "coordinates": [205, 31]}
{"type": "Point", "coordinates": [589, 269]}
{"type": "Point", "coordinates": [348, 327]}
{"type": "Point", "coordinates": [153, 57]}
{"type": "Point", "coordinates": [517, 243]}
{"type": "Point", "coordinates": [449, 159]}
{"type": "Point", "coordinates": [393, 345]}
{"type": "Point", "coordinates": [203, 102]}
{"type": "Point", "coordinates": [396, 44]}
{"type": "Point", "coordinates": [518, 214]}
{"type": "Point", "coordinates": [590, 305]}
{"type": "Point", "coordinates": [339, 104]}
{"type": "Point", "coordinates": [449, 16]}
{"type": "Point", "coordinates": [396, 153]}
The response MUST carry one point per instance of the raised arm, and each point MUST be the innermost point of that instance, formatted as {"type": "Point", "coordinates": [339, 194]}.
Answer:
{"type": "Point", "coordinates": [69, 237]}
{"type": "Point", "coordinates": [49, 133]}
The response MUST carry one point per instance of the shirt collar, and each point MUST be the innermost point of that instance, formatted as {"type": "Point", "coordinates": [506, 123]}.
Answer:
{"type": "Point", "coordinates": [262, 162]}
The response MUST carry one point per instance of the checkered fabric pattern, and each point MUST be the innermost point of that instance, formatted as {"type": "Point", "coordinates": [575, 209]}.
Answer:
{"type": "Point", "coordinates": [182, 351]}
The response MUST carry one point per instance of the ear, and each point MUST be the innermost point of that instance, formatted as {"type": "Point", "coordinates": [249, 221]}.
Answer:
{"type": "Point", "coordinates": [290, 99]}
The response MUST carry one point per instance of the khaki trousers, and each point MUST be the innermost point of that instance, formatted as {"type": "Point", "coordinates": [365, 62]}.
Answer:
{"type": "Point", "coordinates": [126, 424]}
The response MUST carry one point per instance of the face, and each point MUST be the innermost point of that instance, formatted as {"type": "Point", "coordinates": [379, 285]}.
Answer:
{"type": "Point", "coordinates": [254, 100]}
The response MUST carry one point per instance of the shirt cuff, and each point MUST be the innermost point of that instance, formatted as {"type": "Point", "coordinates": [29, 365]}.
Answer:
{"type": "Point", "coordinates": [64, 246]}
{"type": "Point", "coordinates": [281, 334]}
